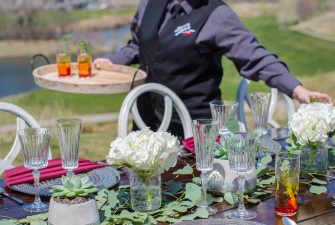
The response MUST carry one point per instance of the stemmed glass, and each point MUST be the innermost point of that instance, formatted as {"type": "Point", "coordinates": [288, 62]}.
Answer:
{"type": "Point", "coordinates": [260, 103]}
{"type": "Point", "coordinates": [223, 112]}
{"type": "Point", "coordinates": [241, 149]}
{"type": "Point", "coordinates": [35, 147]}
{"type": "Point", "coordinates": [205, 132]}
{"type": "Point", "coordinates": [68, 130]}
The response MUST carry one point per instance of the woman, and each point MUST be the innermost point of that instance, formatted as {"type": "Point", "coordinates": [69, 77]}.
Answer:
{"type": "Point", "coordinates": [181, 43]}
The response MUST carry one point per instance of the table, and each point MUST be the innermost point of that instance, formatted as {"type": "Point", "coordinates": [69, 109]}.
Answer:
{"type": "Point", "coordinates": [313, 209]}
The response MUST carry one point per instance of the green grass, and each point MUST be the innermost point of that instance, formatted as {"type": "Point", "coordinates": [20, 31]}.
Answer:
{"type": "Point", "coordinates": [44, 19]}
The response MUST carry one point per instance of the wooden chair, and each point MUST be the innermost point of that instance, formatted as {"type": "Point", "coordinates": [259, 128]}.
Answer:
{"type": "Point", "coordinates": [243, 96]}
{"type": "Point", "coordinates": [171, 101]}
{"type": "Point", "coordinates": [23, 118]}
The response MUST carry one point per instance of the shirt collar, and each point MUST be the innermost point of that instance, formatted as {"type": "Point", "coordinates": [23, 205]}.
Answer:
{"type": "Point", "coordinates": [187, 5]}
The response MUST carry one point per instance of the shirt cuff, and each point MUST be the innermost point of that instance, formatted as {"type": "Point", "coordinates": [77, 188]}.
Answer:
{"type": "Point", "coordinates": [287, 84]}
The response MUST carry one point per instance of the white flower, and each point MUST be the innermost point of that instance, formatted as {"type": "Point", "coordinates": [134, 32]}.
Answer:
{"type": "Point", "coordinates": [312, 123]}
{"type": "Point", "coordinates": [145, 150]}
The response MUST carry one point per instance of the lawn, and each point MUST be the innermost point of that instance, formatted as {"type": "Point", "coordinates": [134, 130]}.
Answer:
{"type": "Point", "coordinates": [310, 59]}
{"type": "Point", "coordinates": [44, 19]}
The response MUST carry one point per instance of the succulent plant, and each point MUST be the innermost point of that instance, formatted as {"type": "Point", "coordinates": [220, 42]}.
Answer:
{"type": "Point", "coordinates": [73, 187]}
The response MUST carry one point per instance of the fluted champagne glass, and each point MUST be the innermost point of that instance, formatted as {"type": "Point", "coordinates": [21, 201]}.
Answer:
{"type": "Point", "coordinates": [205, 132]}
{"type": "Point", "coordinates": [241, 149]}
{"type": "Point", "coordinates": [223, 112]}
{"type": "Point", "coordinates": [260, 103]}
{"type": "Point", "coordinates": [35, 144]}
{"type": "Point", "coordinates": [68, 130]}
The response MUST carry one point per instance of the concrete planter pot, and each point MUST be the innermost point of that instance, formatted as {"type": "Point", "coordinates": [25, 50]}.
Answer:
{"type": "Point", "coordinates": [222, 179]}
{"type": "Point", "coordinates": [79, 214]}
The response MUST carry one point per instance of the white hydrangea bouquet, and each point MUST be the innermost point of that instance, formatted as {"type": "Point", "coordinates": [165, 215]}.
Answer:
{"type": "Point", "coordinates": [312, 124]}
{"type": "Point", "coordinates": [310, 128]}
{"type": "Point", "coordinates": [147, 154]}
{"type": "Point", "coordinates": [145, 151]}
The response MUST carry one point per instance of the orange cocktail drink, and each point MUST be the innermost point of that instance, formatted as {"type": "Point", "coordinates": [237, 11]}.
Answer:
{"type": "Point", "coordinates": [63, 64]}
{"type": "Point", "coordinates": [287, 184]}
{"type": "Point", "coordinates": [84, 65]}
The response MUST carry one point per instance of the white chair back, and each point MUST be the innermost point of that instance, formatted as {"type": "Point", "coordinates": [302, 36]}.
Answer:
{"type": "Point", "coordinates": [23, 118]}
{"type": "Point", "coordinates": [171, 101]}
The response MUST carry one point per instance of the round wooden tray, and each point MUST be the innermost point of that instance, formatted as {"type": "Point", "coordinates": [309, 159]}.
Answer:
{"type": "Point", "coordinates": [110, 80]}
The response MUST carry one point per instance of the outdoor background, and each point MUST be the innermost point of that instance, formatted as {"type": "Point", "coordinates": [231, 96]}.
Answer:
{"type": "Point", "coordinates": [300, 32]}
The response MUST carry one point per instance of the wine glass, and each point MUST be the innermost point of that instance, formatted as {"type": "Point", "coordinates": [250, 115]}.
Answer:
{"type": "Point", "coordinates": [241, 149]}
{"type": "Point", "coordinates": [223, 112]}
{"type": "Point", "coordinates": [205, 132]}
{"type": "Point", "coordinates": [68, 130]}
{"type": "Point", "coordinates": [35, 147]}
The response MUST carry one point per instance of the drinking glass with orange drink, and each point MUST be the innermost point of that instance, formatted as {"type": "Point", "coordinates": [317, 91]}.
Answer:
{"type": "Point", "coordinates": [287, 183]}
{"type": "Point", "coordinates": [84, 60]}
{"type": "Point", "coordinates": [63, 57]}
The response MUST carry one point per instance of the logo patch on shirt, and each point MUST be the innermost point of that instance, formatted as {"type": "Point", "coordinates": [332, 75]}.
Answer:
{"type": "Point", "coordinates": [184, 30]}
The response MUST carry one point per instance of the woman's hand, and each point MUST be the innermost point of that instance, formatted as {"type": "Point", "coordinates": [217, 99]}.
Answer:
{"type": "Point", "coordinates": [101, 63]}
{"type": "Point", "coordinates": [303, 95]}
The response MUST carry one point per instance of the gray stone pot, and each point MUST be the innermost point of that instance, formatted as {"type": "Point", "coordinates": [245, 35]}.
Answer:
{"type": "Point", "coordinates": [79, 214]}
{"type": "Point", "coordinates": [221, 179]}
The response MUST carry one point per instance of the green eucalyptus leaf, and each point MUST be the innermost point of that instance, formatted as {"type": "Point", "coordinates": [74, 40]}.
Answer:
{"type": "Point", "coordinates": [231, 198]}
{"type": "Point", "coordinates": [40, 222]}
{"type": "Point", "coordinates": [188, 217]}
{"type": "Point", "coordinates": [261, 170]}
{"type": "Point", "coordinates": [266, 159]}
{"type": "Point", "coordinates": [201, 213]}
{"type": "Point", "coordinates": [175, 186]}
{"type": "Point", "coordinates": [196, 180]}
{"type": "Point", "coordinates": [318, 181]}
{"type": "Point", "coordinates": [161, 218]}
{"type": "Point", "coordinates": [8, 222]}
{"type": "Point", "coordinates": [184, 171]}
{"type": "Point", "coordinates": [268, 181]}
{"type": "Point", "coordinates": [189, 204]}
{"type": "Point", "coordinates": [253, 200]}
{"type": "Point", "coordinates": [193, 192]}
{"type": "Point", "coordinates": [112, 199]}
{"type": "Point", "coordinates": [172, 220]}
{"type": "Point", "coordinates": [126, 214]}
{"type": "Point", "coordinates": [317, 189]}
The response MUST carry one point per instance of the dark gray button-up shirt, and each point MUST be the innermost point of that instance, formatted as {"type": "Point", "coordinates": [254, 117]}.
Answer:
{"type": "Point", "coordinates": [222, 32]}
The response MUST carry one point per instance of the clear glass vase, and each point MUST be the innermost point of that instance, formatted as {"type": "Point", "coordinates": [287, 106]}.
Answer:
{"type": "Point", "coordinates": [314, 159]}
{"type": "Point", "coordinates": [145, 191]}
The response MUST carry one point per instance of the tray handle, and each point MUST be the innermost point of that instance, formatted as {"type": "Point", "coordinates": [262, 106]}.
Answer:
{"type": "Point", "coordinates": [32, 61]}
{"type": "Point", "coordinates": [146, 69]}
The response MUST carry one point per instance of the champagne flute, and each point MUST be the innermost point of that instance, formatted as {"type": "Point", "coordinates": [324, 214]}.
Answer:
{"type": "Point", "coordinates": [68, 130]}
{"type": "Point", "coordinates": [241, 148]}
{"type": "Point", "coordinates": [205, 132]}
{"type": "Point", "coordinates": [35, 147]}
{"type": "Point", "coordinates": [260, 103]}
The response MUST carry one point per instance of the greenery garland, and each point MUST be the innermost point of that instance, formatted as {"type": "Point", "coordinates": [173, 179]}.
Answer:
{"type": "Point", "coordinates": [180, 202]}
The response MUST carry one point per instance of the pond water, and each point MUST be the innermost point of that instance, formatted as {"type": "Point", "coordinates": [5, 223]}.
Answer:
{"type": "Point", "coordinates": [15, 73]}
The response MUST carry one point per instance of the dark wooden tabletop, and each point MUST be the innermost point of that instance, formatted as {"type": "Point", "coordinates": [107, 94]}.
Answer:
{"type": "Point", "coordinates": [313, 209]}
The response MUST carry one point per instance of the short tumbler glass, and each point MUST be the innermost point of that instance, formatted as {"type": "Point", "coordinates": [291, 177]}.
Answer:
{"type": "Point", "coordinates": [287, 170]}
{"type": "Point", "coordinates": [223, 112]}
{"type": "Point", "coordinates": [68, 130]}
